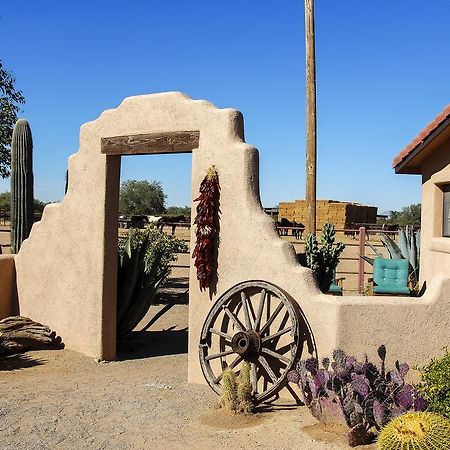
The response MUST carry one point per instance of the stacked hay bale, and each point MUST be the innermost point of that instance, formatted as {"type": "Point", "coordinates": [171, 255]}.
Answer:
{"type": "Point", "coordinates": [341, 214]}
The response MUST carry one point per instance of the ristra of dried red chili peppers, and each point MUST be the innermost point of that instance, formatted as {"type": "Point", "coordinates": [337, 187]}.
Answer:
{"type": "Point", "coordinates": [207, 233]}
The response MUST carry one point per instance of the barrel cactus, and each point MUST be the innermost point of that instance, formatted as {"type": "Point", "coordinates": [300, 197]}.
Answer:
{"type": "Point", "coordinates": [416, 431]}
{"type": "Point", "coordinates": [22, 202]}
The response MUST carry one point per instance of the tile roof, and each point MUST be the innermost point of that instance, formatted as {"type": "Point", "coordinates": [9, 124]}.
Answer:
{"type": "Point", "coordinates": [422, 136]}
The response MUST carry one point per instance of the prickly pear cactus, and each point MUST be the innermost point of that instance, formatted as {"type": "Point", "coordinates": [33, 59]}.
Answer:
{"type": "Point", "coordinates": [416, 431]}
{"type": "Point", "coordinates": [22, 202]}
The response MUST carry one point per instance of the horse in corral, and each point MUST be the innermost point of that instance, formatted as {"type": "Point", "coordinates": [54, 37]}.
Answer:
{"type": "Point", "coordinates": [297, 232]}
{"type": "Point", "coordinates": [172, 220]}
{"type": "Point", "coordinates": [283, 228]}
{"type": "Point", "coordinates": [351, 230]}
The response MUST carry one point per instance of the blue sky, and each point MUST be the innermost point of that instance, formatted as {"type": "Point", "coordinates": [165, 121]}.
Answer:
{"type": "Point", "coordinates": [382, 74]}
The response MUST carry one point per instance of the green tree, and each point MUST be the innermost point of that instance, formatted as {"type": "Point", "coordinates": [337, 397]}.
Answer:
{"type": "Point", "coordinates": [5, 203]}
{"type": "Point", "coordinates": [179, 211]}
{"type": "Point", "coordinates": [142, 197]}
{"type": "Point", "coordinates": [409, 215]}
{"type": "Point", "coordinates": [10, 99]}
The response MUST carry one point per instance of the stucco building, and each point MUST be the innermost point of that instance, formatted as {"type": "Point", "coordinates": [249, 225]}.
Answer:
{"type": "Point", "coordinates": [429, 155]}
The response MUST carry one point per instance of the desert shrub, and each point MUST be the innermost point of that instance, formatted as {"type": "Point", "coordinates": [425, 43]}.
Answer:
{"type": "Point", "coordinates": [435, 385]}
{"type": "Point", "coordinates": [144, 265]}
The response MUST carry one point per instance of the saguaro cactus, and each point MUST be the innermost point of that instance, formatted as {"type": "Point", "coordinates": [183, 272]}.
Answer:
{"type": "Point", "coordinates": [22, 202]}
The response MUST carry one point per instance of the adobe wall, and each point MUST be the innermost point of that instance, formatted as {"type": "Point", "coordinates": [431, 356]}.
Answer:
{"type": "Point", "coordinates": [413, 329]}
{"type": "Point", "coordinates": [66, 270]}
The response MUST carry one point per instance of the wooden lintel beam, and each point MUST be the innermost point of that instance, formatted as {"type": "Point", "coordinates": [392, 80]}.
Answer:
{"type": "Point", "coordinates": [152, 143]}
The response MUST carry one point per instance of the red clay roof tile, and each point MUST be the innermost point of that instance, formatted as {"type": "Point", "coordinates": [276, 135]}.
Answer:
{"type": "Point", "coordinates": [422, 136]}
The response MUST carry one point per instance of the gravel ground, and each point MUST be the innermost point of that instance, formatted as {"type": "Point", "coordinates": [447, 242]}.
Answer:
{"type": "Point", "coordinates": [64, 400]}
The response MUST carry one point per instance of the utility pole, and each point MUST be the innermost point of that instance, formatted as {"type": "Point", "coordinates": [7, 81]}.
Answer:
{"type": "Point", "coordinates": [311, 121]}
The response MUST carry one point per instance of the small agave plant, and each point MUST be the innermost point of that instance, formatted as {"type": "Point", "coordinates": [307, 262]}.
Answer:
{"type": "Point", "coordinates": [361, 395]}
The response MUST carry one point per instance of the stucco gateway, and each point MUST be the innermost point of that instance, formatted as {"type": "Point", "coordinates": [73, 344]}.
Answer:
{"type": "Point", "coordinates": [66, 270]}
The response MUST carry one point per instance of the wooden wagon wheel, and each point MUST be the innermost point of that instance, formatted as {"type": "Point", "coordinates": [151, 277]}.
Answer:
{"type": "Point", "coordinates": [258, 323]}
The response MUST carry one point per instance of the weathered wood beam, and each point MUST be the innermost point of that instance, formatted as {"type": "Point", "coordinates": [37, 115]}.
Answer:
{"type": "Point", "coordinates": [152, 143]}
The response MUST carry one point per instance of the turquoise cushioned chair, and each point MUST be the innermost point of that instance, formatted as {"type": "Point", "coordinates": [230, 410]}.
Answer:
{"type": "Point", "coordinates": [336, 285]}
{"type": "Point", "coordinates": [390, 276]}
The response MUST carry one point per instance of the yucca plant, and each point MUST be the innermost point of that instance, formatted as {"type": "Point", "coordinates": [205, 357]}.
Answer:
{"type": "Point", "coordinates": [144, 265]}
{"type": "Point", "coordinates": [408, 247]}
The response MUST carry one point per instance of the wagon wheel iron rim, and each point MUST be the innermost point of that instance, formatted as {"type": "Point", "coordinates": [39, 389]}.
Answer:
{"type": "Point", "coordinates": [258, 323]}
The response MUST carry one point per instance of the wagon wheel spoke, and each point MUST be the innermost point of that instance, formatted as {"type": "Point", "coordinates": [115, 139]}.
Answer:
{"type": "Point", "coordinates": [254, 378]}
{"type": "Point", "coordinates": [276, 355]}
{"type": "Point", "coordinates": [271, 319]}
{"type": "Point", "coordinates": [297, 399]}
{"type": "Point", "coordinates": [221, 333]}
{"type": "Point", "coordinates": [277, 334]}
{"type": "Point", "coordinates": [234, 319]}
{"type": "Point", "coordinates": [269, 371]}
{"type": "Point", "coordinates": [284, 349]}
{"type": "Point", "coordinates": [218, 355]}
{"type": "Point", "coordinates": [248, 325]}
{"type": "Point", "coordinates": [260, 309]}
{"type": "Point", "coordinates": [282, 325]}
{"type": "Point", "coordinates": [252, 313]}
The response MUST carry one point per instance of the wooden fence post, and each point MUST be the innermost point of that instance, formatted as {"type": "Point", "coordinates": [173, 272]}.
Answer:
{"type": "Point", "coordinates": [362, 248]}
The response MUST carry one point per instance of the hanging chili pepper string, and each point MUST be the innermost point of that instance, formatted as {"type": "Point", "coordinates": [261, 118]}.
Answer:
{"type": "Point", "coordinates": [207, 233]}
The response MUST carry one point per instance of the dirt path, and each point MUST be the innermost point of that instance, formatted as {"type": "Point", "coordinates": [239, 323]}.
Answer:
{"type": "Point", "coordinates": [64, 400]}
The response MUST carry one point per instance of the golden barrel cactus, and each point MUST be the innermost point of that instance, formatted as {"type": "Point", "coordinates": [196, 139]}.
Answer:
{"type": "Point", "coordinates": [416, 431]}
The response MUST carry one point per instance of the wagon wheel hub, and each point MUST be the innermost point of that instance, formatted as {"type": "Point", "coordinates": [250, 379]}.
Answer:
{"type": "Point", "coordinates": [246, 344]}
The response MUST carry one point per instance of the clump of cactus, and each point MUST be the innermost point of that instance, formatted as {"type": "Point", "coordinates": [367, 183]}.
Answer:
{"type": "Point", "coordinates": [408, 248]}
{"type": "Point", "coordinates": [324, 259]}
{"type": "Point", "coordinates": [360, 394]}
{"type": "Point", "coordinates": [416, 431]}
{"type": "Point", "coordinates": [22, 202]}
{"type": "Point", "coordinates": [236, 390]}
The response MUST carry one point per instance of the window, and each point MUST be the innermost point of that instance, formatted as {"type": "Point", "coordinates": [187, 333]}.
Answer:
{"type": "Point", "coordinates": [446, 211]}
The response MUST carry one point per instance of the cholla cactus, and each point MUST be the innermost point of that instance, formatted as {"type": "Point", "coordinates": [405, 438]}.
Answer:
{"type": "Point", "coordinates": [416, 431]}
{"type": "Point", "coordinates": [244, 389]}
{"type": "Point", "coordinates": [229, 390]}
{"type": "Point", "coordinates": [237, 391]}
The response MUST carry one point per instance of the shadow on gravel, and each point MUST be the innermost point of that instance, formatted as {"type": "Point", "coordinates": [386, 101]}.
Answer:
{"type": "Point", "coordinates": [175, 292]}
{"type": "Point", "coordinates": [19, 361]}
{"type": "Point", "coordinates": [147, 344]}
